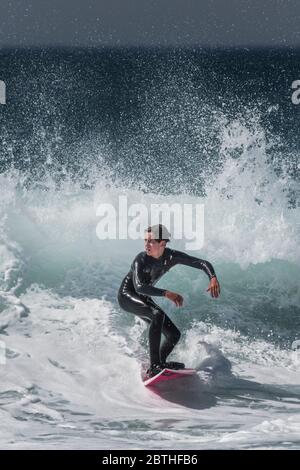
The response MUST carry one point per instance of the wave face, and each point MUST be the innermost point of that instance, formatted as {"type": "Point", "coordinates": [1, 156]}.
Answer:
{"type": "Point", "coordinates": [82, 127]}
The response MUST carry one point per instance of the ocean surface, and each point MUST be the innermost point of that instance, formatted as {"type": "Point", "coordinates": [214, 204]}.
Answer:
{"type": "Point", "coordinates": [215, 127]}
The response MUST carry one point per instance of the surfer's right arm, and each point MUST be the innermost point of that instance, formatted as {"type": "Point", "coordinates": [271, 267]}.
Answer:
{"type": "Point", "coordinates": [140, 285]}
{"type": "Point", "coordinates": [176, 298]}
{"type": "Point", "coordinates": [143, 288]}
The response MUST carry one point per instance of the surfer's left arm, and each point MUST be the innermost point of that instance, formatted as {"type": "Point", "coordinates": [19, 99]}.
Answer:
{"type": "Point", "coordinates": [183, 258]}
{"type": "Point", "coordinates": [214, 287]}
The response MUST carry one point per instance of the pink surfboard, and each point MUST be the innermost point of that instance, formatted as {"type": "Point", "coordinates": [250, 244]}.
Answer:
{"type": "Point", "coordinates": [168, 374]}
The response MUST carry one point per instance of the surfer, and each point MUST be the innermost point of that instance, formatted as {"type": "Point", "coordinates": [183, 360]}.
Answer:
{"type": "Point", "coordinates": [137, 288]}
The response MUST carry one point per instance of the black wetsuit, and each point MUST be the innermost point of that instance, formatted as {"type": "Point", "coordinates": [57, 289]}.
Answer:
{"type": "Point", "coordinates": [137, 287]}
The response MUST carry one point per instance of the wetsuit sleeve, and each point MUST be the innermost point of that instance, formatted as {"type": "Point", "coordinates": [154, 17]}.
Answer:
{"type": "Point", "coordinates": [139, 282]}
{"type": "Point", "coordinates": [182, 258]}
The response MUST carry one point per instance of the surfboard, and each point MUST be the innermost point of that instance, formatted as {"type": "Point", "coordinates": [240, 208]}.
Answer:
{"type": "Point", "coordinates": [168, 374]}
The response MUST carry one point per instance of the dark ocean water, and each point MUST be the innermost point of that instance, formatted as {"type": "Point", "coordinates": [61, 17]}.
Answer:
{"type": "Point", "coordinates": [152, 116]}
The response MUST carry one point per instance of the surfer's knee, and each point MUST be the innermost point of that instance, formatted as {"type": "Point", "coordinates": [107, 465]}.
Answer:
{"type": "Point", "coordinates": [158, 315]}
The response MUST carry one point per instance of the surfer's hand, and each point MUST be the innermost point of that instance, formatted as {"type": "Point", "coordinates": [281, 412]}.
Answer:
{"type": "Point", "coordinates": [214, 287]}
{"type": "Point", "coordinates": [176, 298]}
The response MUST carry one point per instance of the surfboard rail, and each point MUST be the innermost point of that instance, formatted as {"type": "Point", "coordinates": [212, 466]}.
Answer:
{"type": "Point", "coordinates": [168, 374]}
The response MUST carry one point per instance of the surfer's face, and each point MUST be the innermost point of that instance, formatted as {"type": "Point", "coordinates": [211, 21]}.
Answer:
{"type": "Point", "coordinates": [152, 246]}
